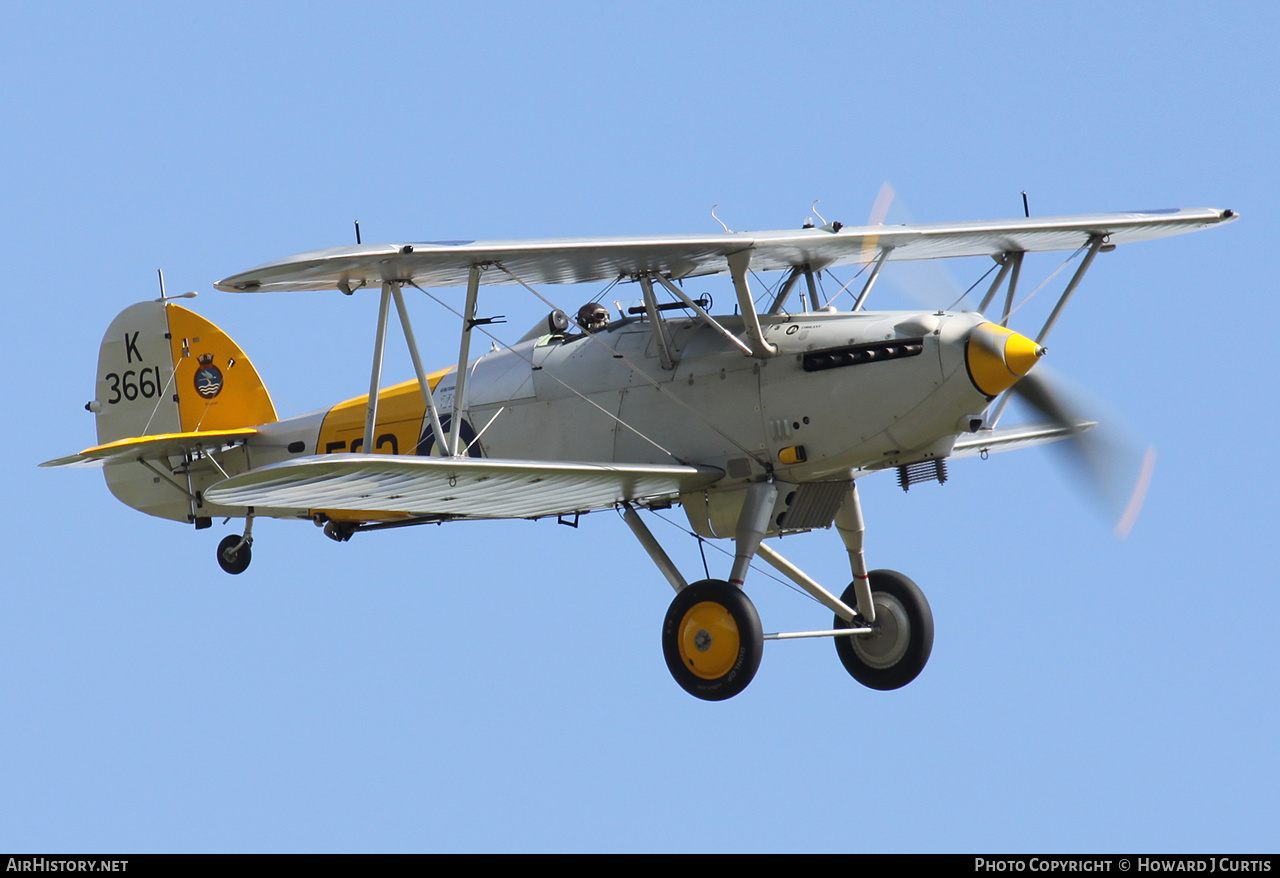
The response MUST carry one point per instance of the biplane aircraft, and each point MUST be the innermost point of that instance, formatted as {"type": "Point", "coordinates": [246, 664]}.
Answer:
{"type": "Point", "coordinates": [758, 423]}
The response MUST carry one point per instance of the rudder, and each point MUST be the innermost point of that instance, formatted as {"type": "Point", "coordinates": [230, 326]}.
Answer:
{"type": "Point", "coordinates": [164, 369]}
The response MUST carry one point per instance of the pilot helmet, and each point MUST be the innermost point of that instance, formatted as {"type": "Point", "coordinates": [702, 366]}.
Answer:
{"type": "Point", "coordinates": [593, 316]}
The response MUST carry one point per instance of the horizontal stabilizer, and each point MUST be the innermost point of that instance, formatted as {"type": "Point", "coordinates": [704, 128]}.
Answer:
{"type": "Point", "coordinates": [153, 447]}
{"type": "Point", "coordinates": [1022, 436]}
{"type": "Point", "coordinates": [453, 487]}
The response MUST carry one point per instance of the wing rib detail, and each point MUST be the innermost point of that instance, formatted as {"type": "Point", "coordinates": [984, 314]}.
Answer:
{"type": "Point", "coordinates": [454, 487]}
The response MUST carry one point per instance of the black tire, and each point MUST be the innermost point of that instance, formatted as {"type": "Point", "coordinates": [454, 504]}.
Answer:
{"type": "Point", "coordinates": [885, 660]}
{"type": "Point", "coordinates": [712, 640]}
{"type": "Point", "coordinates": [234, 562]}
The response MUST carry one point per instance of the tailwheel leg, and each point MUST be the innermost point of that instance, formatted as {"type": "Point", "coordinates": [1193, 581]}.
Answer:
{"type": "Point", "coordinates": [712, 640]}
{"type": "Point", "coordinates": [234, 552]}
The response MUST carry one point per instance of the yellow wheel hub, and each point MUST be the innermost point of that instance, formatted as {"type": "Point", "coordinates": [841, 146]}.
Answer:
{"type": "Point", "coordinates": [709, 640]}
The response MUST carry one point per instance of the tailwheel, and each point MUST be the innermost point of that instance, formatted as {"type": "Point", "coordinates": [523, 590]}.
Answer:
{"type": "Point", "coordinates": [712, 640]}
{"type": "Point", "coordinates": [897, 652]}
{"type": "Point", "coordinates": [234, 554]}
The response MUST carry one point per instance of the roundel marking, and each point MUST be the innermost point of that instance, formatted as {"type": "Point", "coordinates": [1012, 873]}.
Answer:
{"type": "Point", "coordinates": [208, 378]}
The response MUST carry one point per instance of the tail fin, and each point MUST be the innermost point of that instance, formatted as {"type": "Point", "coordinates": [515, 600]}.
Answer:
{"type": "Point", "coordinates": [164, 369]}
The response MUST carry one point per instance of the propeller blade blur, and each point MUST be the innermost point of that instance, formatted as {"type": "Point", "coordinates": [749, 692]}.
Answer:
{"type": "Point", "coordinates": [1113, 473]}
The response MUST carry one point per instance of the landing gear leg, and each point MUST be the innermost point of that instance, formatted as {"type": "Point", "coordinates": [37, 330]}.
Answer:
{"type": "Point", "coordinates": [234, 553]}
{"type": "Point", "coordinates": [850, 525]}
{"type": "Point", "coordinates": [753, 521]}
{"type": "Point", "coordinates": [896, 651]}
{"type": "Point", "coordinates": [711, 638]}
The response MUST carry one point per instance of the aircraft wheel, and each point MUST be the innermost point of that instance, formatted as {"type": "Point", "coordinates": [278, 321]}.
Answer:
{"type": "Point", "coordinates": [232, 560]}
{"type": "Point", "coordinates": [712, 640]}
{"type": "Point", "coordinates": [896, 654]}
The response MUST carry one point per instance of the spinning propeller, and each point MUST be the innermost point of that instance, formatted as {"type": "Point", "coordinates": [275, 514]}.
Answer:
{"type": "Point", "coordinates": [1112, 470]}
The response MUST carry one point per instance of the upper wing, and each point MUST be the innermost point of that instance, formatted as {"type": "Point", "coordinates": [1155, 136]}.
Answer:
{"type": "Point", "coordinates": [589, 260]}
{"type": "Point", "coordinates": [152, 447]}
{"type": "Point", "coordinates": [448, 487]}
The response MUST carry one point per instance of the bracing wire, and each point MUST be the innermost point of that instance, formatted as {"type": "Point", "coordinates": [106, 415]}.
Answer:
{"type": "Point", "coordinates": [646, 377]}
{"type": "Point", "coordinates": [613, 283]}
{"type": "Point", "coordinates": [844, 288]}
{"type": "Point", "coordinates": [762, 571]}
{"type": "Point", "coordinates": [572, 390]}
{"type": "Point", "coordinates": [993, 267]}
{"type": "Point", "coordinates": [1045, 282]}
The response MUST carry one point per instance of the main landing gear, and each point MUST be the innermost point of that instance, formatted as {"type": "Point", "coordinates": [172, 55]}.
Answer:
{"type": "Point", "coordinates": [234, 553]}
{"type": "Point", "coordinates": [897, 651]}
{"type": "Point", "coordinates": [712, 639]}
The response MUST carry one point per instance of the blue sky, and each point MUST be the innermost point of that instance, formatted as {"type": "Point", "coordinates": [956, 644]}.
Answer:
{"type": "Point", "coordinates": [500, 686]}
